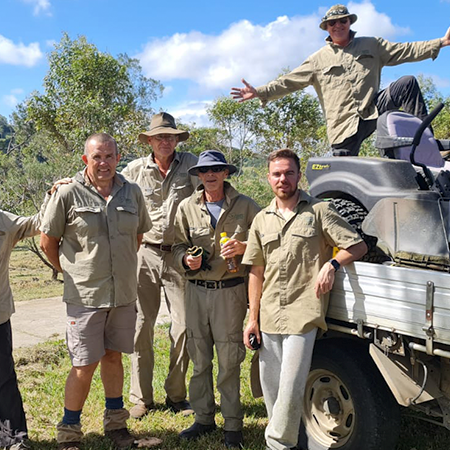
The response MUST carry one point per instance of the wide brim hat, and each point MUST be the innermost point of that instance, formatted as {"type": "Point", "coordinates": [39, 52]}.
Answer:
{"type": "Point", "coordinates": [163, 123]}
{"type": "Point", "coordinates": [337, 12]}
{"type": "Point", "coordinates": [211, 158]}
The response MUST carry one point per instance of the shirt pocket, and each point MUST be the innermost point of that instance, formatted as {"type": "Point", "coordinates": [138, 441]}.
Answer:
{"type": "Point", "coordinates": [201, 236]}
{"type": "Point", "coordinates": [127, 219]}
{"type": "Point", "coordinates": [364, 64]}
{"type": "Point", "coordinates": [271, 247]}
{"type": "Point", "coordinates": [305, 240]}
{"type": "Point", "coordinates": [236, 231]}
{"type": "Point", "coordinates": [181, 187]}
{"type": "Point", "coordinates": [332, 75]}
{"type": "Point", "coordinates": [87, 220]}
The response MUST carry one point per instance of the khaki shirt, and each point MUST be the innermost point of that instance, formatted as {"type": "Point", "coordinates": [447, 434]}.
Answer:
{"type": "Point", "coordinates": [12, 229]}
{"type": "Point", "coordinates": [193, 227]}
{"type": "Point", "coordinates": [347, 79]}
{"type": "Point", "coordinates": [163, 195]}
{"type": "Point", "coordinates": [98, 250]}
{"type": "Point", "coordinates": [293, 251]}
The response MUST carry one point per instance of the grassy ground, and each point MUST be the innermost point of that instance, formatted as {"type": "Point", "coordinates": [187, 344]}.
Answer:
{"type": "Point", "coordinates": [29, 277]}
{"type": "Point", "coordinates": [42, 371]}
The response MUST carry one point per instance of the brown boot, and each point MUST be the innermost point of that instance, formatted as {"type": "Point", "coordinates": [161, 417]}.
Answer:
{"type": "Point", "coordinates": [121, 438]}
{"type": "Point", "coordinates": [115, 426]}
{"type": "Point", "coordinates": [68, 436]}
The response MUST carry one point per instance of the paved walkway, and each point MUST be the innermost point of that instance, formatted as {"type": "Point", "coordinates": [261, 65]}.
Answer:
{"type": "Point", "coordinates": [37, 321]}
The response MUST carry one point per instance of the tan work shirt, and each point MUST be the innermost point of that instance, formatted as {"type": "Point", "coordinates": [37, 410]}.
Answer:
{"type": "Point", "coordinates": [163, 195]}
{"type": "Point", "coordinates": [347, 79]}
{"type": "Point", "coordinates": [193, 227]}
{"type": "Point", "coordinates": [292, 251]}
{"type": "Point", "coordinates": [98, 250]}
{"type": "Point", "coordinates": [12, 229]}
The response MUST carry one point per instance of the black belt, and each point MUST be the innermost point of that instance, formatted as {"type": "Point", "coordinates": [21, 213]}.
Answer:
{"type": "Point", "coordinates": [211, 284]}
{"type": "Point", "coordinates": [161, 247]}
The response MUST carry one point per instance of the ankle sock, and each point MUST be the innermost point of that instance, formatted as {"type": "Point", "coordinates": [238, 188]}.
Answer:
{"type": "Point", "coordinates": [114, 403]}
{"type": "Point", "coordinates": [71, 417]}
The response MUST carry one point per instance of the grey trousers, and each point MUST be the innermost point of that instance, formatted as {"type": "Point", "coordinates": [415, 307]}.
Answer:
{"type": "Point", "coordinates": [215, 318]}
{"type": "Point", "coordinates": [404, 93]}
{"type": "Point", "coordinates": [284, 363]}
{"type": "Point", "coordinates": [156, 271]}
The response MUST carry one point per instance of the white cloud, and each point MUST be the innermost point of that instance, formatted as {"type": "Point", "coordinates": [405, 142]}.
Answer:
{"type": "Point", "coordinates": [39, 6]}
{"type": "Point", "coordinates": [19, 54]}
{"type": "Point", "coordinates": [10, 100]}
{"type": "Point", "coordinates": [17, 91]}
{"type": "Point", "coordinates": [192, 112]}
{"type": "Point", "coordinates": [256, 52]}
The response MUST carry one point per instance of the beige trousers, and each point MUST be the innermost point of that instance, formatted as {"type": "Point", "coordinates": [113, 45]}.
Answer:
{"type": "Point", "coordinates": [155, 271]}
{"type": "Point", "coordinates": [215, 317]}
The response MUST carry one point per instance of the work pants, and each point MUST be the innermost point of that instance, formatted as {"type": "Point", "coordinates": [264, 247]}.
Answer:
{"type": "Point", "coordinates": [215, 317]}
{"type": "Point", "coordinates": [11, 407]}
{"type": "Point", "coordinates": [284, 363]}
{"type": "Point", "coordinates": [404, 93]}
{"type": "Point", "coordinates": [156, 271]}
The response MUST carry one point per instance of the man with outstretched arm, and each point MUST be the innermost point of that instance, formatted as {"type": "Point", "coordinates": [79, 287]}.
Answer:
{"type": "Point", "coordinates": [91, 231]}
{"type": "Point", "coordinates": [346, 74]}
{"type": "Point", "coordinates": [290, 250]}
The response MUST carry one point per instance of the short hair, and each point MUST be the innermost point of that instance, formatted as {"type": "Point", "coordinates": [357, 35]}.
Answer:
{"type": "Point", "coordinates": [102, 138]}
{"type": "Point", "coordinates": [284, 153]}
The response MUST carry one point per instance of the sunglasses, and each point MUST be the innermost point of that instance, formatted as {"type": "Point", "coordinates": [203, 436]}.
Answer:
{"type": "Point", "coordinates": [215, 169]}
{"type": "Point", "coordinates": [332, 23]}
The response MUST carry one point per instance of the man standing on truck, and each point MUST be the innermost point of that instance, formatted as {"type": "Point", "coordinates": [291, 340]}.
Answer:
{"type": "Point", "coordinates": [164, 180]}
{"type": "Point", "coordinates": [345, 74]}
{"type": "Point", "coordinates": [290, 249]}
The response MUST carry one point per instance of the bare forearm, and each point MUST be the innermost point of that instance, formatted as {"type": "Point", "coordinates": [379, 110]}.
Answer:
{"type": "Point", "coordinates": [351, 254]}
{"type": "Point", "coordinates": [255, 283]}
{"type": "Point", "coordinates": [50, 246]}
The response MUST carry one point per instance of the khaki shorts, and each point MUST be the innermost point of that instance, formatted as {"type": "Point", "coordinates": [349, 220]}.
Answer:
{"type": "Point", "coordinates": [90, 331]}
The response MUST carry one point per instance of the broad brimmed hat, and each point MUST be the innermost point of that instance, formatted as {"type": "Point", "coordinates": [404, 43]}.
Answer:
{"type": "Point", "coordinates": [211, 158]}
{"type": "Point", "coordinates": [337, 12]}
{"type": "Point", "coordinates": [163, 123]}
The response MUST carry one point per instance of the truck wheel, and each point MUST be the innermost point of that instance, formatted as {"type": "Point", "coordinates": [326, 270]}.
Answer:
{"type": "Point", "coordinates": [347, 405]}
{"type": "Point", "coordinates": [354, 214]}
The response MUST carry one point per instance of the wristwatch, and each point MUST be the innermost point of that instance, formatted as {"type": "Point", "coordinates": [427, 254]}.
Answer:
{"type": "Point", "coordinates": [335, 264]}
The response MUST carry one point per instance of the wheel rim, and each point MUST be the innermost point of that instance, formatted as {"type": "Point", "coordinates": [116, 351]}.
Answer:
{"type": "Point", "coordinates": [329, 413]}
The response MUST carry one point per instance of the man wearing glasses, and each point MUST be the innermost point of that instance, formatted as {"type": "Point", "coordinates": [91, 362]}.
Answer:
{"type": "Point", "coordinates": [346, 76]}
{"type": "Point", "coordinates": [216, 301]}
{"type": "Point", "coordinates": [164, 180]}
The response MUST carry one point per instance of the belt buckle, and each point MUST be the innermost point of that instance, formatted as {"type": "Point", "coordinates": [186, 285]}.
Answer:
{"type": "Point", "coordinates": [210, 284]}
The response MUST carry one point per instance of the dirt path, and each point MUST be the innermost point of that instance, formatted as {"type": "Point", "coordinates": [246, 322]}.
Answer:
{"type": "Point", "coordinates": [36, 321]}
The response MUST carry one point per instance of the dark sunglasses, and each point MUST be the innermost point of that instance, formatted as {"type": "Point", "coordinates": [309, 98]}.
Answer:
{"type": "Point", "coordinates": [215, 169]}
{"type": "Point", "coordinates": [332, 23]}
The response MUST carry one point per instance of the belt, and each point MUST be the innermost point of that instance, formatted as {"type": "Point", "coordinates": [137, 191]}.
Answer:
{"type": "Point", "coordinates": [161, 247]}
{"type": "Point", "coordinates": [211, 284]}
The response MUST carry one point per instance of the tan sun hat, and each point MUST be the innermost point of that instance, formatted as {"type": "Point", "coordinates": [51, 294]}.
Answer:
{"type": "Point", "coordinates": [163, 123]}
{"type": "Point", "coordinates": [337, 12]}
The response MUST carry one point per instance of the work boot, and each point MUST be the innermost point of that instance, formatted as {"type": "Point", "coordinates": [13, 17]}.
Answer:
{"type": "Point", "coordinates": [140, 411]}
{"type": "Point", "coordinates": [196, 430]}
{"type": "Point", "coordinates": [68, 436]}
{"type": "Point", "coordinates": [69, 446]}
{"type": "Point", "coordinates": [234, 439]}
{"type": "Point", "coordinates": [182, 407]}
{"type": "Point", "coordinates": [121, 438]}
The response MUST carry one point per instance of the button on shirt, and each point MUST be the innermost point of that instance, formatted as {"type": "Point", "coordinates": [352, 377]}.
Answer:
{"type": "Point", "coordinates": [163, 195]}
{"type": "Point", "coordinates": [98, 250]}
{"type": "Point", "coordinates": [347, 79]}
{"type": "Point", "coordinates": [12, 229]}
{"type": "Point", "coordinates": [292, 251]}
{"type": "Point", "coordinates": [193, 227]}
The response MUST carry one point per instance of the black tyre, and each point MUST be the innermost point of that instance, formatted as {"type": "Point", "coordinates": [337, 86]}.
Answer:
{"type": "Point", "coordinates": [355, 214]}
{"type": "Point", "coordinates": [347, 404]}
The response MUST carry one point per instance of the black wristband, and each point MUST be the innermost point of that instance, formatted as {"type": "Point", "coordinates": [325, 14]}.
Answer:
{"type": "Point", "coordinates": [335, 264]}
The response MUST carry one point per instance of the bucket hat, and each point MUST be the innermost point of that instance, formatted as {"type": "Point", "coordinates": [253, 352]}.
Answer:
{"type": "Point", "coordinates": [337, 12]}
{"type": "Point", "coordinates": [163, 123]}
{"type": "Point", "coordinates": [210, 158]}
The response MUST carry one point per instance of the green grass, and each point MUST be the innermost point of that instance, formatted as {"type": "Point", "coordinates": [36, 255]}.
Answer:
{"type": "Point", "coordinates": [29, 277]}
{"type": "Point", "coordinates": [42, 371]}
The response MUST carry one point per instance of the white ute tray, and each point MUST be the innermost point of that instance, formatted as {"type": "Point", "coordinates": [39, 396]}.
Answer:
{"type": "Point", "coordinates": [391, 298]}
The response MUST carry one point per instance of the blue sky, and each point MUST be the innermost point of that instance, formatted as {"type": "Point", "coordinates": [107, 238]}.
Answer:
{"type": "Point", "coordinates": [198, 49]}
